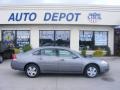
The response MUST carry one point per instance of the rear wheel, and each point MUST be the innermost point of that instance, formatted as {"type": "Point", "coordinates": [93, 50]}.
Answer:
{"type": "Point", "coordinates": [91, 71]}
{"type": "Point", "coordinates": [32, 70]}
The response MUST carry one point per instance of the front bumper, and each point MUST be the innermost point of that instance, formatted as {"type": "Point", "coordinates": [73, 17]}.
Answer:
{"type": "Point", "coordinates": [105, 68]}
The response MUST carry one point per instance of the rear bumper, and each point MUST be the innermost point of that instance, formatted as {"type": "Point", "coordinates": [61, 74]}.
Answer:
{"type": "Point", "coordinates": [17, 65]}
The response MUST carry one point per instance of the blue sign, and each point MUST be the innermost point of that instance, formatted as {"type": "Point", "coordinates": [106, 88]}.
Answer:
{"type": "Point", "coordinates": [26, 16]}
{"type": "Point", "coordinates": [94, 17]}
{"type": "Point", "coordinates": [61, 16]}
{"type": "Point", "coordinates": [48, 16]}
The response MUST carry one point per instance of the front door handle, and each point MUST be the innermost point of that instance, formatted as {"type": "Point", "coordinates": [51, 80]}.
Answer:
{"type": "Point", "coordinates": [61, 59]}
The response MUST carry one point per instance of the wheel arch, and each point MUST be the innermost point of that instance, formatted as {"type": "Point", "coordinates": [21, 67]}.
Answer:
{"type": "Point", "coordinates": [91, 64]}
{"type": "Point", "coordinates": [31, 63]}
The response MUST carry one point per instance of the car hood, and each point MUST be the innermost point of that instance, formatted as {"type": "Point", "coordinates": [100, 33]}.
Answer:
{"type": "Point", "coordinates": [92, 60]}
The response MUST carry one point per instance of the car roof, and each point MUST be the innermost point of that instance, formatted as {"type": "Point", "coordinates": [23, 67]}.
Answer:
{"type": "Point", "coordinates": [54, 47]}
{"type": "Point", "coordinates": [49, 47]}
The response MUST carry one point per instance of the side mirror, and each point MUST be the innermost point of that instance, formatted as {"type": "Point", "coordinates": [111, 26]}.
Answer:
{"type": "Point", "coordinates": [74, 57]}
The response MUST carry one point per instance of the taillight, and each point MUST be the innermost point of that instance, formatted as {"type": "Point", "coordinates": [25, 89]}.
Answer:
{"type": "Point", "coordinates": [14, 57]}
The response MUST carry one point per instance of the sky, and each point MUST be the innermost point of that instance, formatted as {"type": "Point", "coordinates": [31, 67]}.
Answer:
{"type": "Point", "coordinates": [36, 2]}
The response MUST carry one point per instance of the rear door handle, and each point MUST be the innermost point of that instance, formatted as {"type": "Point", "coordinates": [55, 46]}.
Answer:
{"type": "Point", "coordinates": [61, 59]}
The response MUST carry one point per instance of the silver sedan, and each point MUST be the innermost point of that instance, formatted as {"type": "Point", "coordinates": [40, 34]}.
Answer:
{"type": "Point", "coordinates": [57, 60]}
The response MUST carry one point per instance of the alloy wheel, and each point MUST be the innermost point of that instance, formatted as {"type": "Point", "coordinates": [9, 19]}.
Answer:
{"type": "Point", "coordinates": [91, 71]}
{"type": "Point", "coordinates": [32, 70]}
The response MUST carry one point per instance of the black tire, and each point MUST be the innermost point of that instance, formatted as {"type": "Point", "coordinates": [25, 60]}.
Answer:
{"type": "Point", "coordinates": [36, 71]}
{"type": "Point", "coordinates": [88, 73]}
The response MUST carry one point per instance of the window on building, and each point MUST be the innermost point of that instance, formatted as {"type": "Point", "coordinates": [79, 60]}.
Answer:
{"type": "Point", "coordinates": [100, 38]}
{"type": "Point", "coordinates": [46, 38]}
{"type": "Point", "coordinates": [93, 39]}
{"type": "Point", "coordinates": [55, 38]}
{"type": "Point", "coordinates": [62, 38]}
{"type": "Point", "coordinates": [17, 38]}
{"type": "Point", "coordinates": [23, 38]}
{"type": "Point", "coordinates": [8, 37]}
{"type": "Point", "coordinates": [86, 40]}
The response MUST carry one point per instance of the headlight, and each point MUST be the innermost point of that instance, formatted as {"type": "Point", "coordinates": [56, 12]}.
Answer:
{"type": "Point", "coordinates": [104, 62]}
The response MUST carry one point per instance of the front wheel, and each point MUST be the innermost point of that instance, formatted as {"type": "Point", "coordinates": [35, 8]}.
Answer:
{"type": "Point", "coordinates": [32, 70]}
{"type": "Point", "coordinates": [91, 71]}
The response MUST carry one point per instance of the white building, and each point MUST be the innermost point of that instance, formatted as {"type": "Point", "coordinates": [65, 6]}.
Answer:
{"type": "Point", "coordinates": [74, 26]}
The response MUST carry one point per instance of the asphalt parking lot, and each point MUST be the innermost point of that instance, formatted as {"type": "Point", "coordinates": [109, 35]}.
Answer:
{"type": "Point", "coordinates": [16, 80]}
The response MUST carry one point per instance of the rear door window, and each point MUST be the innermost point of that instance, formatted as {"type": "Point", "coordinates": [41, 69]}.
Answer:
{"type": "Point", "coordinates": [48, 52]}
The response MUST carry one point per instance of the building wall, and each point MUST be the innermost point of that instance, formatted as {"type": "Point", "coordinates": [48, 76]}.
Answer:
{"type": "Point", "coordinates": [60, 14]}
{"type": "Point", "coordinates": [74, 33]}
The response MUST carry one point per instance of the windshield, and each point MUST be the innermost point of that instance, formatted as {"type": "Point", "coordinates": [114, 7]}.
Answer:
{"type": "Point", "coordinates": [78, 53]}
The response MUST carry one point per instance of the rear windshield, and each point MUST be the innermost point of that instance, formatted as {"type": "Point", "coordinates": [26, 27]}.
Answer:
{"type": "Point", "coordinates": [30, 51]}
